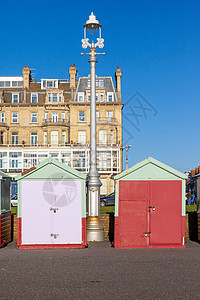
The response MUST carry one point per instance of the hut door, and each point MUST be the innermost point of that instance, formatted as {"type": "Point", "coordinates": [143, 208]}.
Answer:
{"type": "Point", "coordinates": [133, 213]}
{"type": "Point", "coordinates": [165, 212]}
{"type": "Point", "coordinates": [66, 212]}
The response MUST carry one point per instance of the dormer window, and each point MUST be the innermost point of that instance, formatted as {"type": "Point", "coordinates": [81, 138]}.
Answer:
{"type": "Point", "coordinates": [110, 97]}
{"type": "Point", "coordinates": [80, 97]}
{"type": "Point", "coordinates": [15, 98]}
{"type": "Point", "coordinates": [49, 83]}
{"type": "Point", "coordinates": [34, 98]}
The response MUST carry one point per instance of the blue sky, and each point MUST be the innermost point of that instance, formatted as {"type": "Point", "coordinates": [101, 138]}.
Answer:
{"type": "Point", "coordinates": [155, 43]}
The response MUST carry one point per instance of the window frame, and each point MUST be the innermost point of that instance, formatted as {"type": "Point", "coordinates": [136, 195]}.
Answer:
{"type": "Point", "coordinates": [110, 94]}
{"type": "Point", "coordinates": [79, 117]}
{"type": "Point", "coordinates": [15, 94]}
{"type": "Point", "coordinates": [32, 97]}
{"type": "Point", "coordinates": [13, 118]}
{"type": "Point", "coordinates": [80, 94]}
{"type": "Point", "coordinates": [34, 117]}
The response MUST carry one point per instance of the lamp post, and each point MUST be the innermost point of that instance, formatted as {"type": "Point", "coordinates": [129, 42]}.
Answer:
{"type": "Point", "coordinates": [95, 230]}
{"type": "Point", "coordinates": [126, 148]}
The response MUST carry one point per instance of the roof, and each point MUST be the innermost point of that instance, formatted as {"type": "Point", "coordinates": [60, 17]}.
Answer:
{"type": "Point", "coordinates": [154, 162]}
{"type": "Point", "coordinates": [53, 162]}
{"type": "Point", "coordinates": [2, 175]}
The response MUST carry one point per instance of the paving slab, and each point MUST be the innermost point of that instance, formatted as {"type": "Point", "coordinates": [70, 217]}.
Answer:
{"type": "Point", "coordinates": [100, 272]}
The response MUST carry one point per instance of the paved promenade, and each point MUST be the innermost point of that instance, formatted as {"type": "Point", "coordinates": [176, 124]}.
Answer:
{"type": "Point", "coordinates": [100, 272]}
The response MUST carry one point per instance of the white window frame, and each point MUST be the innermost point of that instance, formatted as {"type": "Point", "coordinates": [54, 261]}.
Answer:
{"type": "Point", "coordinates": [63, 138]}
{"type": "Point", "coordinates": [80, 95]}
{"type": "Point", "coordinates": [101, 97]}
{"type": "Point", "coordinates": [108, 95]}
{"type": "Point", "coordinates": [60, 97]}
{"type": "Point", "coordinates": [34, 136]}
{"type": "Point", "coordinates": [80, 117]}
{"type": "Point", "coordinates": [109, 115]}
{"type": "Point", "coordinates": [14, 118]}
{"type": "Point", "coordinates": [46, 118]}
{"type": "Point", "coordinates": [46, 82]}
{"type": "Point", "coordinates": [54, 98]}
{"type": "Point", "coordinates": [102, 137]}
{"type": "Point", "coordinates": [45, 138]}
{"type": "Point", "coordinates": [111, 137]}
{"type": "Point", "coordinates": [54, 138]}
{"type": "Point", "coordinates": [55, 117]}
{"type": "Point", "coordinates": [82, 137]}
{"type": "Point", "coordinates": [15, 94]}
{"type": "Point", "coordinates": [88, 97]}
{"type": "Point", "coordinates": [34, 95]}
{"type": "Point", "coordinates": [62, 116]}
{"type": "Point", "coordinates": [15, 138]}
{"type": "Point", "coordinates": [34, 117]}
{"type": "Point", "coordinates": [97, 115]}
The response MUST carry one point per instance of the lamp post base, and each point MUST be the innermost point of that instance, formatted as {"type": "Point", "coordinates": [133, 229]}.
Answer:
{"type": "Point", "coordinates": [95, 230]}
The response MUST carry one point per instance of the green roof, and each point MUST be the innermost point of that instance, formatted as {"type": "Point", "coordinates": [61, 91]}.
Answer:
{"type": "Point", "coordinates": [40, 168]}
{"type": "Point", "coordinates": [154, 162]}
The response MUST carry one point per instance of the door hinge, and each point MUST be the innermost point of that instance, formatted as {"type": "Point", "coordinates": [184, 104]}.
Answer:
{"type": "Point", "coordinates": [147, 234]}
{"type": "Point", "coordinates": [153, 207]}
{"type": "Point", "coordinates": [54, 209]}
{"type": "Point", "coordinates": [55, 235]}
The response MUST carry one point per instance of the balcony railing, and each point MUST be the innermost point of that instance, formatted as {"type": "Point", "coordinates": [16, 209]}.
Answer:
{"type": "Point", "coordinates": [55, 122]}
{"type": "Point", "coordinates": [108, 120]}
{"type": "Point", "coordinates": [86, 145]}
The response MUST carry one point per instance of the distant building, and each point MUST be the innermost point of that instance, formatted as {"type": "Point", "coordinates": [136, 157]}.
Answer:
{"type": "Point", "coordinates": [51, 118]}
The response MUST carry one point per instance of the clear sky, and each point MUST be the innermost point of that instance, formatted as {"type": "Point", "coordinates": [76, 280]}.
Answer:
{"type": "Point", "coordinates": [155, 43]}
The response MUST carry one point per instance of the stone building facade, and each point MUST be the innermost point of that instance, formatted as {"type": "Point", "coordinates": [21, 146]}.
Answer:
{"type": "Point", "coordinates": [52, 118]}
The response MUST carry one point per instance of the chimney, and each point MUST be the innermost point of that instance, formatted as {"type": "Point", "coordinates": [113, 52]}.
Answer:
{"type": "Point", "coordinates": [196, 170]}
{"type": "Point", "coordinates": [192, 173]}
{"type": "Point", "coordinates": [26, 76]}
{"type": "Point", "coordinates": [118, 75]}
{"type": "Point", "coordinates": [72, 75]}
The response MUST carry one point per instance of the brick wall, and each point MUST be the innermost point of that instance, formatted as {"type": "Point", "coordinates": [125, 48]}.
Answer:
{"type": "Point", "coordinates": [107, 221]}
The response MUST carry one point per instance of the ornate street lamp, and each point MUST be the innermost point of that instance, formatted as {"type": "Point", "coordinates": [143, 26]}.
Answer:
{"type": "Point", "coordinates": [95, 230]}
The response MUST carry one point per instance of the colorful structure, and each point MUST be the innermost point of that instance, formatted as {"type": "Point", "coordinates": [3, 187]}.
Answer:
{"type": "Point", "coordinates": [5, 209]}
{"type": "Point", "coordinates": [52, 207]}
{"type": "Point", "coordinates": [150, 206]}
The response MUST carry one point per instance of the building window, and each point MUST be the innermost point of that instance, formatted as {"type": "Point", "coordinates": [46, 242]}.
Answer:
{"type": "Point", "coordinates": [63, 117]}
{"type": "Point", "coordinates": [14, 117]}
{"type": "Point", "coordinates": [88, 83]}
{"type": "Point", "coordinates": [109, 116]}
{"type": "Point", "coordinates": [101, 83]}
{"type": "Point", "coordinates": [101, 97]}
{"type": "Point", "coordinates": [110, 97]}
{"type": "Point", "coordinates": [88, 95]}
{"type": "Point", "coordinates": [49, 98]}
{"type": "Point", "coordinates": [54, 138]}
{"type": "Point", "coordinates": [45, 138]}
{"type": "Point", "coordinates": [80, 97]}
{"type": "Point", "coordinates": [103, 188]}
{"type": "Point", "coordinates": [15, 160]}
{"type": "Point", "coordinates": [33, 117]}
{"type": "Point", "coordinates": [34, 98]}
{"type": "Point", "coordinates": [102, 137]}
{"type": "Point", "coordinates": [111, 137]}
{"type": "Point", "coordinates": [102, 160]}
{"type": "Point", "coordinates": [81, 137]}
{"type": "Point", "coordinates": [97, 115]}
{"type": "Point", "coordinates": [15, 98]}
{"type": "Point", "coordinates": [54, 98]}
{"type": "Point", "coordinates": [63, 138]}
{"type": "Point", "coordinates": [54, 117]}
{"type": "Point", "coordinates": [46, 117]}
{"type": "Point", "coordinates": [81, 116]}
{"type": "Point", "coordinates": [34, 138]}
{"type": "Point", "coordinates": [1, 137]}
{"type": "Point", "coordinates": [14, 138]}
{"type": "Point", "coordinates": [2, 117]}
{"type": "Point", "coordinates": [49, 84]}
{"type": "Point", "coordinates": [60, 98]}
{"type": "Point", "coordinates": [96, 97]}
